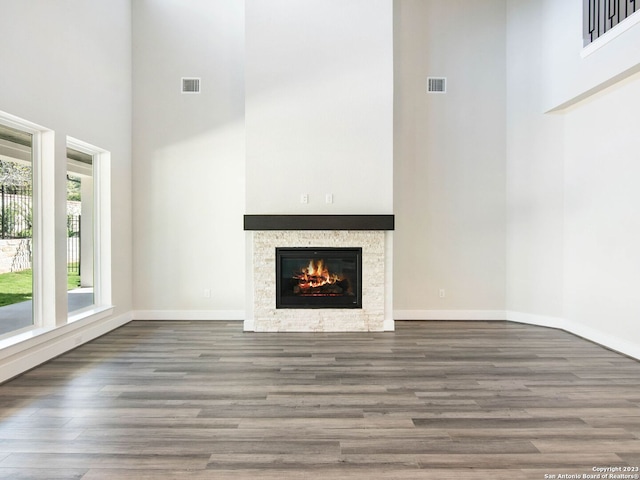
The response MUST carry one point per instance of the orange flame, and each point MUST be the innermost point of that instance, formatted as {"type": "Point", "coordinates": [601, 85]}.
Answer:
{"type": "Point", "coordinates": [316, 274]}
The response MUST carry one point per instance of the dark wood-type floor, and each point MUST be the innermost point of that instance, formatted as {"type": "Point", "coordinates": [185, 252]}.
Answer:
{"type": "Point", "coordinates": [434, 400]}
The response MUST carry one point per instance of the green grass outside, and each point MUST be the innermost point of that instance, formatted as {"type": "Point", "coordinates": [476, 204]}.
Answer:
{"type": "Point", "coordinates": [16, 287]}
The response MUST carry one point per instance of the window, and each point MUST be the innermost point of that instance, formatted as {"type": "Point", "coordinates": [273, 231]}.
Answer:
{"type": "Point", "coordinates": [41, 288]}
{"type": "Point", "coordinates": [80, 230]}
{"type": "Point", "coordinates": [16, 230]}
{"type": "Point", "coordinates": [88, 229]}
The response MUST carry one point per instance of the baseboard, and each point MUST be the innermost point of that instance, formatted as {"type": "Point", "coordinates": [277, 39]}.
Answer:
{"type": "Point", "coordinates": [62, 340]}
{"type": "Point", "coordinates": [601, 338]}
{"type": "Point", "coordinates": [597, 336]}
{"type": "Point", "coordinates": [538, 320]}
{"type": "Point", "coordinates": [222, 315]}
{"type": "Point", "coordinates": [449, 315]}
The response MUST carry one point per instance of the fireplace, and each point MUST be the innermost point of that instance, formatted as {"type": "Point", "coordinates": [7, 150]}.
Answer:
{"type": "Point", "coordinates": [311, 277]}
{"type": "Point", "coordinates": [283, 250]}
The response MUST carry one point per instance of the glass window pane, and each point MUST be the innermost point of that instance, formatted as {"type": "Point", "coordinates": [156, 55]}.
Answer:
{"type": "Point", "coordinates": [16, 230]}
{"type": "Point", "coordinates": [80, 221]}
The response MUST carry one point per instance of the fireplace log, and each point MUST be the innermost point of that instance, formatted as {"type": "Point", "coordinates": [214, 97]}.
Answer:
{"type": "Point", "coordinates": [332, 289]}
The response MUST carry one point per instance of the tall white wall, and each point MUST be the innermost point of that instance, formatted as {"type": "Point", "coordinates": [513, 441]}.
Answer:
{"type": "Point", "coordinates": [188, 186]}
{"type": "Point", "coordinates": [319, 106]}
{"type": "Point", "coordinates": [602, 225]}
{"type": "Point", "coordinates": [535, 189]}
{"type": "Point", "coordinates": [573, 233]}
{"type": "Point", "coordinates": [449, 176]}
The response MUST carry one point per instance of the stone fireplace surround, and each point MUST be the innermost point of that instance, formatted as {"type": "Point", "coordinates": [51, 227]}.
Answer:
{"type": "Point", "coordinates": [374, 233]}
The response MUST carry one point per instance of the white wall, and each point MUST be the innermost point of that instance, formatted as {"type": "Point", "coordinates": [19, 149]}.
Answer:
{"type": "Point", "coordinates": [319, 106]}
{"type": "Point", "coordinates": [602, 225]}
{"type": "Point", "coordinates": [572, 230]}
{"type": "Point", "coordinates": [66, 65]}
{"type": "Point", "coordinates": [535, 189]}
{"type": "Point", "coordinates": [188, 184]}
{"type": "Point", "coordinates": [449, 186]}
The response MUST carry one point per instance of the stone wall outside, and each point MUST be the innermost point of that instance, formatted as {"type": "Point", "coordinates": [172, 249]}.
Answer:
{"type": "Point", "coordinates": [15, 255]}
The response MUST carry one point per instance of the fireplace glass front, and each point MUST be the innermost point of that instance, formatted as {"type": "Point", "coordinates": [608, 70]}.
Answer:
{"type": "Point", "coordinates": [318, 277]}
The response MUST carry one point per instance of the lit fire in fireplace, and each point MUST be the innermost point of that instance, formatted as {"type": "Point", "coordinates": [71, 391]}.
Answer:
{"type": "Point", "coordinates": [315, 279]}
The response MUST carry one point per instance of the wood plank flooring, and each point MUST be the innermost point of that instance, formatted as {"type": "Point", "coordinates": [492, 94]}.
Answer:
{"type": "Point", "coordinates": [433, 400]}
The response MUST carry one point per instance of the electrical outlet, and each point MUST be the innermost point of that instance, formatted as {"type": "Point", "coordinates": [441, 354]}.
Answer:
{"type": "Point", "coordinates": [442, 293]}
{"type": "Point", "coordinates": [304, 198]}
{"type": "Point", "coordinates": [207, 293]}
{"type": "Point", "coordinates": [329, 198]}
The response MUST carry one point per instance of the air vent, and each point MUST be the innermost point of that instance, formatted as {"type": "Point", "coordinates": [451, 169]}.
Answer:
{"type": "Point", "coordinates": [437, 85]}
{"type": "Point", "coordinates": [190, 85]}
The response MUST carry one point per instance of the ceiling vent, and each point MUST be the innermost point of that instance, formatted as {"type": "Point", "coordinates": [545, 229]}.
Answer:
{"type": "Point", "coordinates": [437, 85]}
{"type": "Point", "coordinates": [190, 85]}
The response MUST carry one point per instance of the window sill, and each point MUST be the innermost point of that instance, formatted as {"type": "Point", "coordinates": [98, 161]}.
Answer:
{"type": "Point", "coordinates": [92, 313]}
{"type": "Point", "coordinates": [38, 336]}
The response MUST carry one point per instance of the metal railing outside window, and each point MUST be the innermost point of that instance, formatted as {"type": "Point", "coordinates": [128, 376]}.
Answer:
{"type": "Point", "coordinates": [73, 244]}
{"type": "Point", "coordinates": [15, 212]}
{"type": "Point", "coordinates": [600, 16]}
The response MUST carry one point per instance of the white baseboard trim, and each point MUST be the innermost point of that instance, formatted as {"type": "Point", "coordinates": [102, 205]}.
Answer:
{"type": "Point", "coordinates": [538, 320]}
{"type": "Point", "coordinates": [449, 315]}
{"type": "Point", "coordinates": [222, 315]}
{"type": "Point", "coordinates": [597, 336]}
{"type": "Point", "coordinates": [50, 345]}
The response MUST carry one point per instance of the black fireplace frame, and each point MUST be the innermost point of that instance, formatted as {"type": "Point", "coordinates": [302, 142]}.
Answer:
{"type": "Point", "coordinates": [304, 302]}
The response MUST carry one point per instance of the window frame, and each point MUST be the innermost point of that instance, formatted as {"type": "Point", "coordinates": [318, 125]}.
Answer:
{"type": "Point", "coordinates": [101, 228]}
{"type": "Point", "coordinates": [41, 141]}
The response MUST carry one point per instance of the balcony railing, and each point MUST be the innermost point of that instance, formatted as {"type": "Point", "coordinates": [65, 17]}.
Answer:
{"type": "Point", "coordinates": [600, 16]}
